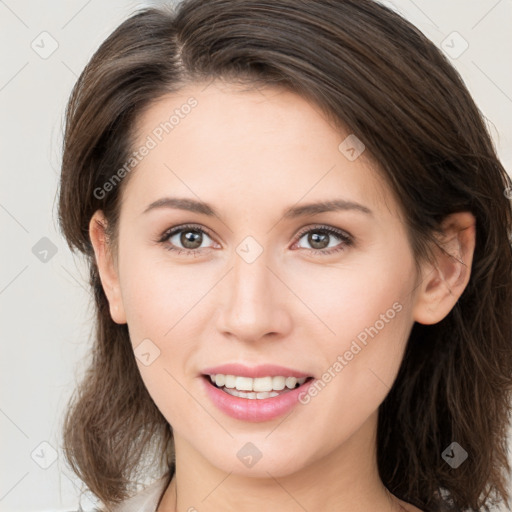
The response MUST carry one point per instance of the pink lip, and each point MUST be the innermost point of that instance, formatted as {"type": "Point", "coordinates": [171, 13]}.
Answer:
{"type": "Point", "coordinates": [254, 410]}
{"type": "Point", "coordinates": [265, 370]}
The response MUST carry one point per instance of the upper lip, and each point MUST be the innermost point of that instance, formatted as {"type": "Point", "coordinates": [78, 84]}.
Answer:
{"type": "Point", "coordinates": [264, 370]}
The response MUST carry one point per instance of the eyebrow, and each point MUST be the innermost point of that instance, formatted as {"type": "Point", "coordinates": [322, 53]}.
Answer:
{"type": "Point", "coordinates": [292, 212]}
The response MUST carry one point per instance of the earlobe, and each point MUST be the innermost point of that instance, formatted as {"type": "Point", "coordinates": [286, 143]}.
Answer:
{"type": "Point", "coordinates": [444, 283]}
{"type": "Point", "coordinates": [106, 266]}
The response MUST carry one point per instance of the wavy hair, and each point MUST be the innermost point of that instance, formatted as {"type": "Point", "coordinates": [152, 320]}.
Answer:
{"type": "Point", "coordinates": [369, 70]}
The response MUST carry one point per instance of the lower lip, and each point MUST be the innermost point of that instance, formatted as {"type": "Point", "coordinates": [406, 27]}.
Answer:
{"type": "Point", "coordinates": [255, 410]}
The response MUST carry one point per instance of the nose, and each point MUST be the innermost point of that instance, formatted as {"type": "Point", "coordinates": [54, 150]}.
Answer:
{"type": "Point", "coordinates": [255, 302]}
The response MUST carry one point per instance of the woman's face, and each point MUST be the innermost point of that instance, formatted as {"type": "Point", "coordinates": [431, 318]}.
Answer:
{"type": "Point", "coordinates": [268, 280]}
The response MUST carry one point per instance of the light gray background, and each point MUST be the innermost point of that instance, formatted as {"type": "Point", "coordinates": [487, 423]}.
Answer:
{"type": "Point", "coordinates": [45, 312]}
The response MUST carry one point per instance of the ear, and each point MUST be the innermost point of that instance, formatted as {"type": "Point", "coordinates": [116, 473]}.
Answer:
{"type": "Point", "coordinates": [106, 266]}
{"type": "Point", "coordinates": [444, 282]}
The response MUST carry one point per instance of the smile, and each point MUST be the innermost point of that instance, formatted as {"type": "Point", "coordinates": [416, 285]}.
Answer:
{"type": "Point", "coordinates": [255, 398]}
{"type": "Point", "coordinates": [255, 388]}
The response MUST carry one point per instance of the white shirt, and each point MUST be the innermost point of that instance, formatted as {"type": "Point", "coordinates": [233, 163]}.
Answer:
{"type": "Point", "coordinates": [146, 500]}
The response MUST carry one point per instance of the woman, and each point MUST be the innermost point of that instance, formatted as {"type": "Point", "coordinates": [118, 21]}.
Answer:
{"type": "Point", "coordinates": [298, 235]}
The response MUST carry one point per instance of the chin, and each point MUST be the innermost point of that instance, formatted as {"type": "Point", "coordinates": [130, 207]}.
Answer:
{"type": "Point", "coordinates": [254, 456]}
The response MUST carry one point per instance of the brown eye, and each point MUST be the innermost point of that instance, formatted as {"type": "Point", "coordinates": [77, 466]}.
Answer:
{"type": "Point", "coordinates": [185, 239]}
{"type": "Point", "coordinates": [318, 241]}
{"type": "Point", "coordinates": [190, 239]}
{"type": "Point", "coordinates": [324, 237]}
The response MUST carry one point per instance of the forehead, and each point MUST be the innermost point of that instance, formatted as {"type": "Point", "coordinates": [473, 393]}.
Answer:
{"type": "Point", "coordinates": [270, 143]}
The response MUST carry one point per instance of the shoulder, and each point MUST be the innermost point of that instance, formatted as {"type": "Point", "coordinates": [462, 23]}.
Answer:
{"type": "Point", "coordinates": [144, 501]}
{"type": "Point", "coordinates": [147, 500]}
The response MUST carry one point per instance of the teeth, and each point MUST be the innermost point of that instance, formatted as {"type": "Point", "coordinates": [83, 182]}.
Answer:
{"type": "Point", "coordinates": [291, 382]}
{"type": "Point", "coordinates": [259, 385]}
{"type": "Point", "coordinates": [244, 384]}
{"type": "Point", "coordinates": [278, 383]}
{"type": "Point", "coordinates": [252, 395]}
{"type": "Point", "coordinates": [230, 381]}
{"type": "Point", "coordinates": [262, 384]}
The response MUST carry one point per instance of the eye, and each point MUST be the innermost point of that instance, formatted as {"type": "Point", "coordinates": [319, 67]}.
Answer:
{"type": "Point", "coordinates": [320, 238]}
{"type": "Point", "coordinates": [184, 239]}
{"type": "Point", "coordinates": [188, 239]}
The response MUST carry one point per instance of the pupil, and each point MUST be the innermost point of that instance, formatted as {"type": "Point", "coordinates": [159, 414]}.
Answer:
{"type": "Point", "coordinates": [194, 238]}
{"type": "Point", "coordinates": [319, 241]}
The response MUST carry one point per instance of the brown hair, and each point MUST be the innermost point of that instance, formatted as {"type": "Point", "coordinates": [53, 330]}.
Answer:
{"type": "Point", "coordinates": [373, 72]}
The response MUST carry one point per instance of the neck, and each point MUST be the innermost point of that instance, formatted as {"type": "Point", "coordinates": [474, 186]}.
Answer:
{"type": "Point", "coordinates": [345, 480]}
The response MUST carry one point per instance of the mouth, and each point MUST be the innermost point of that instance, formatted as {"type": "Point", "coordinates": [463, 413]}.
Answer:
{"type": "Point", "coordinates": [255, 393]}
{"type": "Point", "coordinates": [259, 388]}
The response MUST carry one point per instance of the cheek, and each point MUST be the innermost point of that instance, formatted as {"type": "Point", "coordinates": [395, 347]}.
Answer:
{"type": "Point", "coordinates": [350, 300]}
{"type": "Point", "coordinates": [159, 302]}
{"type": "Point", "coordinates": [158, 295]}
{"type": "Point", "coordinates": [378, 324]}
{"type": "Point", "coordinates": [368, 311]}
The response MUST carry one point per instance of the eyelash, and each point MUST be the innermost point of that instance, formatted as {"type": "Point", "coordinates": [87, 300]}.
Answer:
{"type": "Point", "coordinates": [347, 239]}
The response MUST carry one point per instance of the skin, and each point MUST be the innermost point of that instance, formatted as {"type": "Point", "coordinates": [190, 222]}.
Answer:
{"type": "Point", "coordinates": [251, 154]}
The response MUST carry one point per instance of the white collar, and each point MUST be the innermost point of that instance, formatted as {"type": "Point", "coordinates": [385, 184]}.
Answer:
{"type": "Point", "coordinates": [146, 500]}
